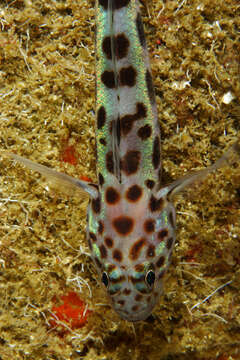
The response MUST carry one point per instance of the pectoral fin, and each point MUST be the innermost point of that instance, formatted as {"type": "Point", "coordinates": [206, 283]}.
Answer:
{"type": "Point", "coordinates": [59, 180]}
{"type": "Point", "coordinates": [179, 185]}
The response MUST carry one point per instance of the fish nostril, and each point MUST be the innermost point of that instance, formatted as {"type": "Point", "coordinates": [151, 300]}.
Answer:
{"type": "Point", "coordinates": [121, 302]}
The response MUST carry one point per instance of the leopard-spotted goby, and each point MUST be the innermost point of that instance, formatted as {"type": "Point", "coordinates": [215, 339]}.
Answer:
{"type": "Point", "coordinates": [131, 220]}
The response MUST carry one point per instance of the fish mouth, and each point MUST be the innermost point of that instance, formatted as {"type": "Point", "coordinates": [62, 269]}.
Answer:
{"type": "Point", "coordinates": [135, 317]}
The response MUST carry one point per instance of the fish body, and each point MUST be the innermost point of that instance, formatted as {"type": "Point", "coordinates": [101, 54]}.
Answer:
{"type": "Point", "coordinates": [131, 229]}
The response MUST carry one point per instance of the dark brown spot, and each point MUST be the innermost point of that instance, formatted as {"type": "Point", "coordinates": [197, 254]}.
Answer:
{"type": "Point", "coordinates": [93, 236]}
{"type": "Point", "coordinates": [109, 161]}
{"type": "Point", "coordinates": [140, 30]}
{"type": "Point", "coordinates": [155, 204]}
{"type": "Point", "coordinates": [139, 279]}
{"type": "Point", "coordinates": [161, 274]}
{"type": "Point", "coordinates": [117, 4]}
{"type": "Point", "coordinates": [104, 4]}
{"type": "Point", "coordinates": [106, 47]}
{"type": "Point", "coordinates": [145, 132]}
{"type": "Point", "coordinates": [123, 225]}
{"type": "Point", "coordinates": [103, 141]}
{"type": "Point", "coordinates": [136, 249]}
{"type": "Point", "coordinates": [96, 205]}
{"type": "Point", "coordinates": [110, 126]}
{"type": "Point", "coordinates": [103, 251]}
{"type": "Point", "coordinates": [138, 297]}
{"type": "Point", "coordinates": [118, 130]}
{"type": "Point", "coordinates": [134, 193]}
{"type": "Point", "coordinates": [118, 279]}
{"type": "Point", "coordinates": [126, 291]}
{"type": "Point", "coordinates": [127, 121]}
{"type": "Point", "coordinates": [135, 308]}
{"type": "Point", "coordinates": [141, 111]}
{"type": "Point", "coordinates": [120, 4]}
{"type": "Point", "coordinates": [151, 251]}
{"type": "Point", "coordinates": [111, 267]}
{"type": "Point", "coordinates": [117, 255]}
{"type": "Point", "coordinates": [149, 226]}
{"type": "Point", "coordinates": [109, 242]}
{"type": "Point", "coordinates": [131, 161]}
{"type": "Point", "coordinates": [101, 117]}
{"type": "Point", "coordinates": [89, 244]}
{"type": "Point", "coordinates": [122, 45]}
{"type": "Point", "coordinates": [108, 79]}
{"type": "Point", "coordinates": [169, 243]}
{"type": "Point", "coordinates": [127, 76]}
{"type": "Point", "coordinates": [98, 262]}
{"type": "Point", "coordinates": [100, 227]}
{"type": "Point", "coordinates": [100, 179]}
{"type": "Point", "coordinates": [160, 261]}
{"type": "Point", "coordinates": [121, 302]}
{"type": "Point", "coordinates": [139, 267]}
{"type": "Point", "coordinates": [150, 183]}
{"type": "Point", "coordinates": [112, 196]}
{"type": "Point", "coordinates": [112, 291]}
{"type": "Point", "coordinates": [162, 234]}
{"type": "Point", "coordinates": [150, 87]}
{"type": "Point", "coordinates": [156, 152]}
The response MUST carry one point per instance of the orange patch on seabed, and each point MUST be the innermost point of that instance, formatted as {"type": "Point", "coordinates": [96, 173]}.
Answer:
{"type": "Point", "coordinates": [72, 312]}
{"type": "Point", "coordinates": [193, 252]}
{"type": "Point", "coordinates": [85, 178]}
{"type": "Point", "coordinates": [68, 155]}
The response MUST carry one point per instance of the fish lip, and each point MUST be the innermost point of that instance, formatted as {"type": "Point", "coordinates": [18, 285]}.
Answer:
{"type": "Point", "coordinates": [135, 316]}
{"type": "Point", "coordinates": [139, 316]}
{"type": "Point", "coordinates": [134, 320]}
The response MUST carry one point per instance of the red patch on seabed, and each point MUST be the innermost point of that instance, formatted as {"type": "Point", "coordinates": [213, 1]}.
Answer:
{"type": "Point", "coordinates": [69, 155]}
{"type": "Point", "coordinates": [72, 312]}
{"type": "Point", "coordinates": [193, 252]}
{"type": "Point", "coordinates": [85, 178]}
{"type": "Point", "coordinates": [68, 152]}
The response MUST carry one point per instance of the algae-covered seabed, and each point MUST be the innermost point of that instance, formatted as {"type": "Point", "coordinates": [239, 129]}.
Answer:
{"type": "Point", "coordinates": [47, 108]}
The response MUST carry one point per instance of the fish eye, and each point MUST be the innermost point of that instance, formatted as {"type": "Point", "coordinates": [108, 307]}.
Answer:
{"type": "Point", "coordinates": [105, 279]}
{"type": "Point", "coordinates": [150, 278]}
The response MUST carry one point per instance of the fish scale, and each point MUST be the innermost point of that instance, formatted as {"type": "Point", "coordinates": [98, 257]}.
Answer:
{"type": "Point", "coordinates": [131, 218]}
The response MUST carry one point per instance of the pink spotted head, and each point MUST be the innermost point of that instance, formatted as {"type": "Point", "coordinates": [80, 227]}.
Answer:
{"type": "Point", "coordinates": [132, 246]}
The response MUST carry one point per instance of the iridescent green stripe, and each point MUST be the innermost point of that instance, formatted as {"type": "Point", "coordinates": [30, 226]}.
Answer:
{"type": "Point", "coordinates": [104, 96]}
